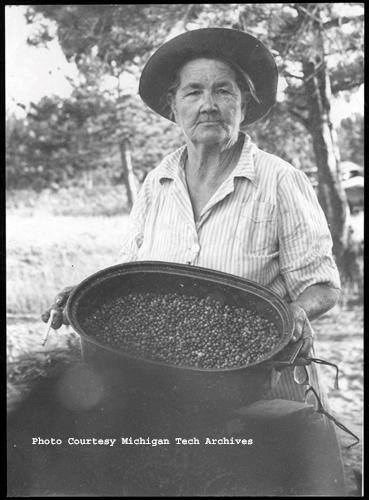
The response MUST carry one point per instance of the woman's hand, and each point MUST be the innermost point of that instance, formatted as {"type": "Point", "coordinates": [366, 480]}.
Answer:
{"type": "Point", "coordinates": [302, 328]}
{"type": "Point", "coordinates": [60, 301]}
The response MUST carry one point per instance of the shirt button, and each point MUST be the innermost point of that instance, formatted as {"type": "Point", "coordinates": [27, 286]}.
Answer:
{"type": "Point", "coordinates": [196, 248]}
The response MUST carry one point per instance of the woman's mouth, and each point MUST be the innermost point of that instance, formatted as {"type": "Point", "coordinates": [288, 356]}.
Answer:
{"type": "Point", "coordinates": [210, 122]}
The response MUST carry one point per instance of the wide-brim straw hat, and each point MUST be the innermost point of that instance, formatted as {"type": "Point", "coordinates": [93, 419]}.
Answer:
{"type": "Point", "coordinates": [236, 47]}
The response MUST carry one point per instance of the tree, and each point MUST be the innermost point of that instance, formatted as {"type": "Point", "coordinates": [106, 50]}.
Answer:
{"type": "Point", "coordinates": [17, 138]}
{"type": "Point", "coordinates": [315, 56]}
{"type": "Point", "coordinates": [318, 90]}
{"type": "Point", "coordinates": [113, 38]}
{"type": "Point", "coordinates": [351, 139]}
{"type": "Point", "coordinates": [55, 143]}
{"type": "Point", "coordinates": [309, 44]}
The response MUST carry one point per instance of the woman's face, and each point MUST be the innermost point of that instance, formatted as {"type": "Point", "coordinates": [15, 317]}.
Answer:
{"type": "Point", "coordinates": [208, 104]}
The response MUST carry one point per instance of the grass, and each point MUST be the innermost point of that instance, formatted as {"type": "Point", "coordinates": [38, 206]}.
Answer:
{"type": "Point", "coordinates": [46, 253]}
{"type": "Point", "coordinates": [72, 201]}
{"type": "Point", "coordinates": [57, 238]}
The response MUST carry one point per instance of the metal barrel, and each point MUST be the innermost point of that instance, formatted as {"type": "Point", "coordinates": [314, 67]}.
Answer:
{"type": "Point", "coordinates": [185, 387]}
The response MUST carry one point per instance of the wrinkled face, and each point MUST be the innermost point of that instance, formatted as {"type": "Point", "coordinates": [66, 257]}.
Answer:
{"type": "Point", "coordinates": [208, 104]}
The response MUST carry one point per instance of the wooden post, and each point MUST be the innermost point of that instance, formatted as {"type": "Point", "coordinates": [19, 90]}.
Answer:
{"type": "Point", "coordinates": [128, 174]}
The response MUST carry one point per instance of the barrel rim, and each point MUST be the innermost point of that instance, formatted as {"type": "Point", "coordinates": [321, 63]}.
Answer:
{"type": "Point", "coordinates": [208, 275]}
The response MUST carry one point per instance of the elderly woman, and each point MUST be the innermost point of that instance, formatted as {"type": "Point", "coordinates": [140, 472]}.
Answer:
{"type": "Point", "coordinates": [219, 201]}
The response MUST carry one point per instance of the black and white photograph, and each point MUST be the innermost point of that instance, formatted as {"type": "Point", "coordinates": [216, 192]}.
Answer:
{"type": "Point", "coordinates": [184, 249]}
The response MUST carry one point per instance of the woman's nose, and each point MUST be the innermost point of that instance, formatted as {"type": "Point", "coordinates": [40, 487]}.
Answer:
{"type": "Point", "coordinates": [209, 102]}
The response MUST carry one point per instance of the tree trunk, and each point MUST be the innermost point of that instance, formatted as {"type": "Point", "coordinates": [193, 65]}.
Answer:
{"type": "Point", "coordinates": [127, 172]}
{"type": "Point", "coordinates": [331, 194]}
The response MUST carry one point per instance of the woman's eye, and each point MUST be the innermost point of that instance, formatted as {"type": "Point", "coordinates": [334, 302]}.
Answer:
{"type": "Point", "coordinates": [223, 91]}
{"type": "Point", "coordinates": [193, 92]}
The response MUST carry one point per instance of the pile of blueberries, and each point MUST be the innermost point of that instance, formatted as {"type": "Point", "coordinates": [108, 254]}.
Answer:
{"type": "Point", "coordinates": [182, 330]}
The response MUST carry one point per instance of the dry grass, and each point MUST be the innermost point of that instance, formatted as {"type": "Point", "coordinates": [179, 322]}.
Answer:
{"type": "Point", "coordinates": [75, 201]}
{"type": "Point", "coordinates": [47, 253]}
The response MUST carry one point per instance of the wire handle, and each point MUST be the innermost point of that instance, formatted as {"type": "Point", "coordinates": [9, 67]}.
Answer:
{"type": "Point", "coordinates": [48, 326]}
{"type": "Point", "coordinates": [323, 411]}
{"type": "Point", "coordinates": [302, 361]}
{"type": "Point", "coordinates": [327, 363]}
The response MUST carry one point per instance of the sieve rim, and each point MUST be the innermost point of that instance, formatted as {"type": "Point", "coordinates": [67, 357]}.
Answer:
{"type": "Point", "coordinates": [229, 281]}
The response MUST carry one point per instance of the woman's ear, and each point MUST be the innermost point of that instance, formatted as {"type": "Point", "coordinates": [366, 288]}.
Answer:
{"type": "Point", "coordinates": [171, 104]}
{"type": "Point", "coordinates": [245, 96]}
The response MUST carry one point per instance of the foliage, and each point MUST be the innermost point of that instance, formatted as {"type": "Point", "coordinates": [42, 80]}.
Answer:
{"type": "Point", "coordinates": [120, 33]}
{"type": "Point", "coordinates": [64, 139]}
{"type": "Point", "coordinates": [17, 164]}
{"type": "Point", "coordinates": [351, 139]}
{"type": "Point", "coordinates": [282, 135]}
{"type": "Point", "coordinates": [61, 139]}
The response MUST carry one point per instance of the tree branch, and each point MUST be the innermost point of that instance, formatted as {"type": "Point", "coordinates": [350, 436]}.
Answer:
{"type": "Point", "coordinates": [299, 116]}
{"type": "Point", "coordinates": [347, 49]}
{"type": "Point", "coordinates": [316, 70]}
{"type": "Point", "coordinates": [189, 13]}
{"type": "Point", "coordinates": [338, 21]}
{"type": "Point", "coordinates": [345, 85]}
{"type": "Point", "coordinates": [290, 75]}
{"type": "Point", "coordinates": [312, 15]}
{"type": "Point", "coordinates": [300, 107]}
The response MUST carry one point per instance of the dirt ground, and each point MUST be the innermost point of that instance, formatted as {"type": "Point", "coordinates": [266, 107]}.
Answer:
{"type": "Point", "coordinates": [339, 339]}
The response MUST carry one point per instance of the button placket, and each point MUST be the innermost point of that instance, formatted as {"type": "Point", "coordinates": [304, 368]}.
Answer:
{"type": "Point", "coordinates": [182, 200]}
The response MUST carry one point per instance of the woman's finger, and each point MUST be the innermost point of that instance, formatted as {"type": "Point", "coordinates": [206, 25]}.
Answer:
{"type": "Point", "coordinates": [61, 299]}
{"type": "Point", "coordinates": [299, 318]}
{"type": "Point", "coordinates": [306, 346]}
{"type": "Point", "coordinates": [65, 318]}
{"type": "Point", "coordinates": [297, 332]}
{"type": "Point", "coordinates": [308, 331]}
{"type": "Point", "coordinates": [307, 335]}
{"type": "Point", "coordinates": [57, 320]}
{"type": "Point", "coordinates": [45, 316]}
{"type": "Point", "coordinates": [299, 326]}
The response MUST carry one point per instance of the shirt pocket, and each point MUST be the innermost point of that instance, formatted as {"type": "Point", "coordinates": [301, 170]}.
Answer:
{"type": "Point", "coordinates": [257, 228]}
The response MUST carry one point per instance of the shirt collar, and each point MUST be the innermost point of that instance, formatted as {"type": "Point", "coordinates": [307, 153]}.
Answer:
{"type": "Point", "coordinates": [172, 164]}
{"type": "Point", "coordinates": [245, 166]}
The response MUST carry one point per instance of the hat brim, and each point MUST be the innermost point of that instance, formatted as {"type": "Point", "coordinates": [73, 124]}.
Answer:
{"type": "Point", "coordinates": [238, 47]}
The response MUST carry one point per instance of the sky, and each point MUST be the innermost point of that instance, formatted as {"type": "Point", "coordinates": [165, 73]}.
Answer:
{"type": "Point", "coordinates": [32, 73]}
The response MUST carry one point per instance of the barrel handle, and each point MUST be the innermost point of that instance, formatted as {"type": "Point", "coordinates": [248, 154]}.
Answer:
{"type": "Point", "coordinates": [302, 361]}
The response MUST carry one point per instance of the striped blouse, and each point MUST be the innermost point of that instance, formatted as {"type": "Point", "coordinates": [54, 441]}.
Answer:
{"type": "Point", "coordinates": [264, 223]}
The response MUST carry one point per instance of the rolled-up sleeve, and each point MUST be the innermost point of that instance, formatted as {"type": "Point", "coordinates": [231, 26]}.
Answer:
{"type": "Point", "coordinates": [305, 242]}
{"type": "Point", "coordinates": [133, 235]}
